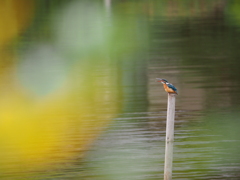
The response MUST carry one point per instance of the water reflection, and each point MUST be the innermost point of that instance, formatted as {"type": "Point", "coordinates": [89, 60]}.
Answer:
{"type": "Point", "coordinates": [78, 70]}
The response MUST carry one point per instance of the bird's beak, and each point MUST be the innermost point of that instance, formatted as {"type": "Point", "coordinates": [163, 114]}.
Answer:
{"type": "Point", "coordinates": [158, 79]}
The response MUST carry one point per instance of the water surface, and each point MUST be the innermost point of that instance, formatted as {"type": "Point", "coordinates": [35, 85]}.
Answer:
{"type": "Point", "coordinates": [80, 79]}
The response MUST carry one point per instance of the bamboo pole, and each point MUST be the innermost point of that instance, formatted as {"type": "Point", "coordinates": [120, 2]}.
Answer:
{"type": "Point", "coordinates": [169, 137]}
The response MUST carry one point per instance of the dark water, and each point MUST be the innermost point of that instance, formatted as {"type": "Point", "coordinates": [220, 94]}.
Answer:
{"type": "Point", "coordinates": [80, 100]}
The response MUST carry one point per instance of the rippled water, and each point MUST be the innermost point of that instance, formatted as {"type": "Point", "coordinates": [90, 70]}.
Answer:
{"type": "Point", "coordinates": [85, 101]}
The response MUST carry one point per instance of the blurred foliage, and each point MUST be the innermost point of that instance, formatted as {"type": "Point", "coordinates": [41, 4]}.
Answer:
{"type": "Point", "coordinates": [59, 85]}
{"type": "Point", "coordinates": [84, 28]}
{"type": "Point", "coordinates": [15, 17]}
{"type": "Point", "coordinates": [37, 131]}
{"type": "Point", "coordinates": [233, 12]}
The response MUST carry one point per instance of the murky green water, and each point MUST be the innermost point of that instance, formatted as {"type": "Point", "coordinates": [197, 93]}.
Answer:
{"type": "Point", "coordinates": [79, 98]}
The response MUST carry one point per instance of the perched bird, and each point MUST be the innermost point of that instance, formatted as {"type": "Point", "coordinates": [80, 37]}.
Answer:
{"type": "Point", "coordinates": [169, 88]}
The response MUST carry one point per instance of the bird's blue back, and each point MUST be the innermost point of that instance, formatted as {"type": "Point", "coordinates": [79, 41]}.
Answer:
{"type": "Point", "coordinates": [171, 86]}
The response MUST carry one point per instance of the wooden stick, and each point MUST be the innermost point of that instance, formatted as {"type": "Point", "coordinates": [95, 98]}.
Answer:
{"type": "Point", "coordinates": [107, 4]}
{"type": "Point", "coordinates": [169, 137]}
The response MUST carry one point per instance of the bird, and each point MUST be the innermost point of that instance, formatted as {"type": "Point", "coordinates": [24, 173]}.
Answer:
{"type": "Point", "coordinates": [169, 88]}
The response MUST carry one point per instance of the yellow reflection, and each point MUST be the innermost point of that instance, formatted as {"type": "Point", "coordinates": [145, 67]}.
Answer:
{"type": "Point", "coordinates": [39, 132]}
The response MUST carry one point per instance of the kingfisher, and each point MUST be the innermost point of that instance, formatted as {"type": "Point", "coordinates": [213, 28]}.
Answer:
{"type": "Point", "coordinates": [169, 88]}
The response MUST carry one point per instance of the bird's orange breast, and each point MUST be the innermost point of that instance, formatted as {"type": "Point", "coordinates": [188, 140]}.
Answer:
{"type": "Point", "coordinates": [167, 89]}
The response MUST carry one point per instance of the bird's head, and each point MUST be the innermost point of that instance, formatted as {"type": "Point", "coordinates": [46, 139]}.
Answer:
{"type": "Point", "coordinates": [164, 81]}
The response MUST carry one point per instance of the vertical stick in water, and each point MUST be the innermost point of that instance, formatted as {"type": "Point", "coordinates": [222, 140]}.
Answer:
{"type": "Point", "coordinates": [169, 137]}
{"type": "Point", "coordinates": [107, 4]}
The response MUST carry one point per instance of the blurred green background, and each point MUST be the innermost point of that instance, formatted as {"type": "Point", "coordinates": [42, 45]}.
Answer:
{"type": "Point", "coordinates": [79, 100]}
